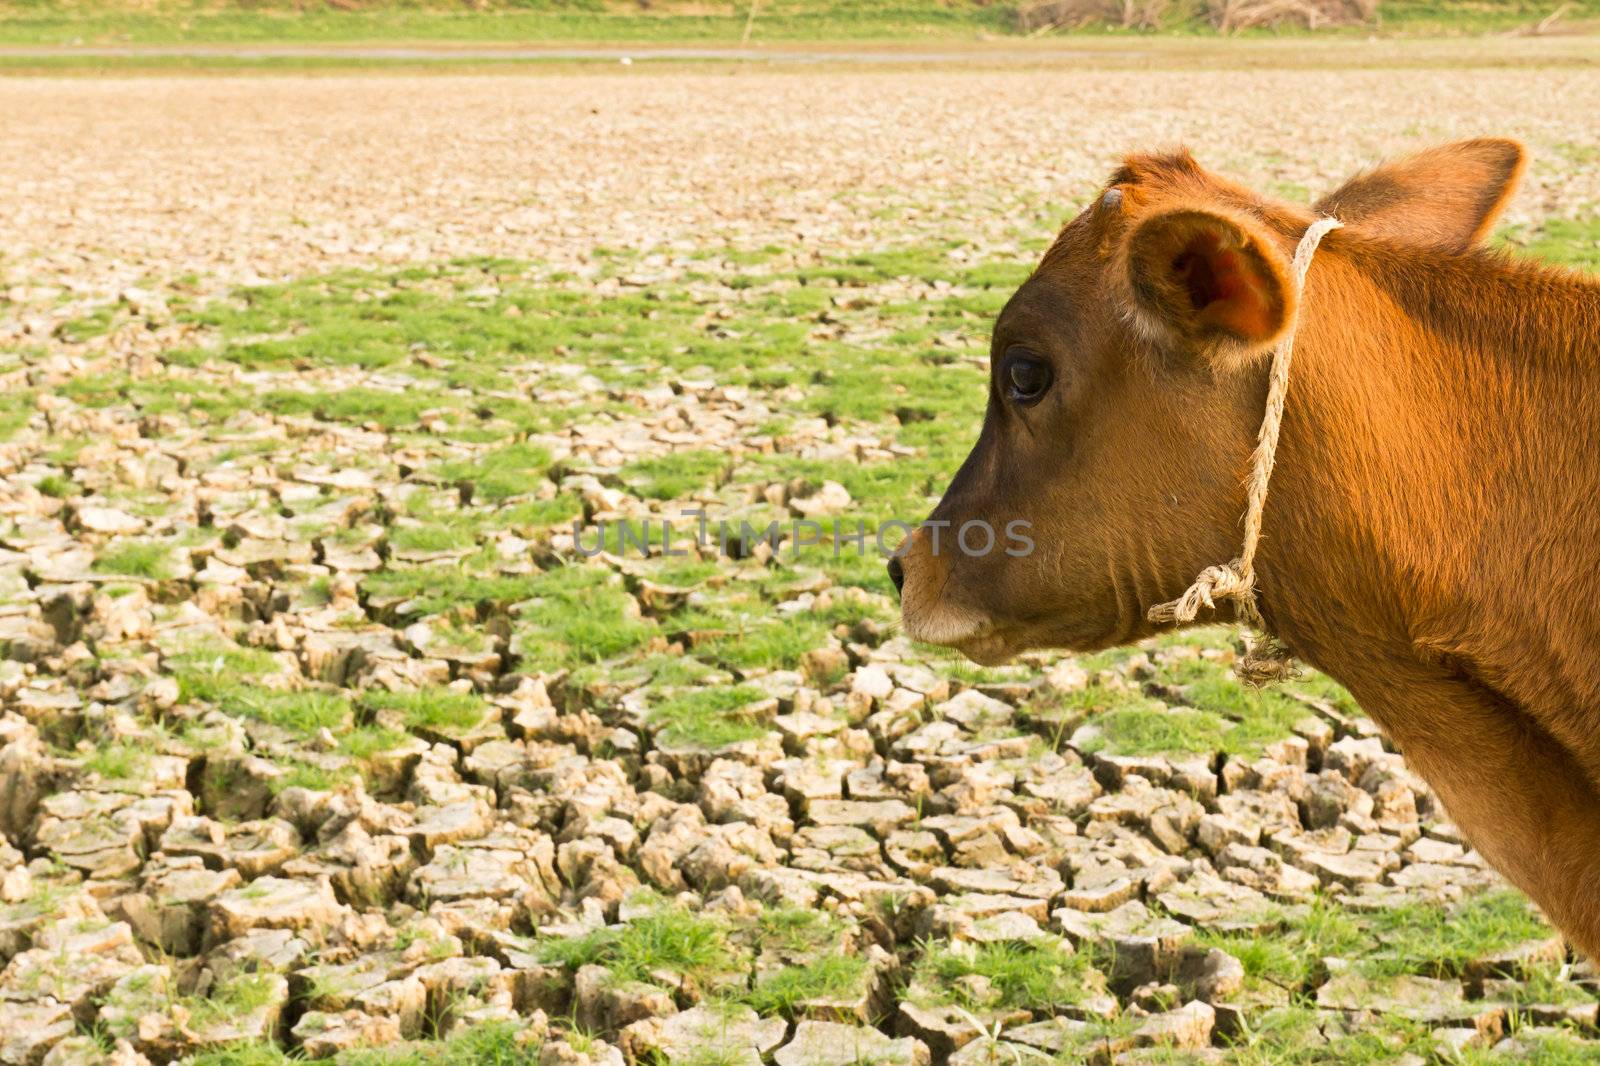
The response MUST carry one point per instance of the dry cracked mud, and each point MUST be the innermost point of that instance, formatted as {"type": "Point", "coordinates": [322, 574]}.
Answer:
{"type": "Point", "coordinates": [325, 730]}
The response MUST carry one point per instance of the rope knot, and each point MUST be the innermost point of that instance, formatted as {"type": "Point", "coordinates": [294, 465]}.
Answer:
{"type": "Point", "coordinates": [1224, 582]}
{"type": "Point", "coordinates": [1268, 659]}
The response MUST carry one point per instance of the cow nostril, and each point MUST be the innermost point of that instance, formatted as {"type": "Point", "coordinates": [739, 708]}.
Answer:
{"type": "Point", "coordinates": [897, 574]}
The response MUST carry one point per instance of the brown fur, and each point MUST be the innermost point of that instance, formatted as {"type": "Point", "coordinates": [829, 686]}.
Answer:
{"type": "Point", "coordinates": [1430, 538]}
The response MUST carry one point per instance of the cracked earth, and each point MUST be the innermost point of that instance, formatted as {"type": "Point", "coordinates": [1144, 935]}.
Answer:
{"type": "Point", "coordinates": [325, 730]}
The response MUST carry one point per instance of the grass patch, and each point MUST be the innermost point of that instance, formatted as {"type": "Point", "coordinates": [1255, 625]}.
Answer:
{"type": "Point", "coordinates": [1568, 242]}
{"type": "Point", "coordinates": [433, 537]}
{"type": "Point", "coordinates": [1440, 941]}
{"type": "Point", "coordinates": [297, 712]}
{"type": "Point", "coordinates": [674, 21]}
{"type": "Point", "coordinates": [429, 708]}
{"type": "Point", "coordinates": [830, 977]}
{"type": "Point", "coordinates": [668, 941]}
{"type": "Point", "coordinates": [529, 516]}
{"type": "Point", "coordinates": [229, 678]}
{"type": "Point", "coordinates": [501, 474]}
{"type": "Point", "coordinates": [667, 477]}
{"type": "Point", "coordinates": [1293, 1036]}
{"type": "Point", "coordinates": [438, 588]}
{"type": "Point", "coordinates": [1213, 713]}
{"type": "Point", "coordinates": [577, 614]}
{"type": "Point", "coordinates": [1038, 974]}
{"type": "Point", "coordinates": [1146, 729]}
{"type": "Point", "coordinates": [205, 672]}
{"type": "Point", "coordinates": [708, 717]}
{"type": "Point", "coordinates": [367, 741]}
{"type": "Point", "coordinates": [1542, 1049]}
{"type": "Point", "coordinates": [778, 643]}
{"type": "Point", "coordinates": [145, 559]}
{"type": "Point", "coordinates": [488, 1044]}
{"type": "Point", "coordinates": [116, 762]}
{"type": "Point", "coordinates": [1414, 939]}
{"type": "Point", "coordinates": [58, 486]}
{"type": "Point", "coordinates": [794, 929]}
{"type": "Point", "coordinates": [358, 406]}
{"type": "Point", "coordinates": [240, 996]}
{"type": "Point", "coordinates": [310, 776]}
{"type": "Point", "coordinates": [253, 1053]}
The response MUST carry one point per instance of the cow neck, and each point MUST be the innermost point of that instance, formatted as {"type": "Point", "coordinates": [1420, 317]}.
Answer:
{"type": "Point", "coordinates": [1267, 659]}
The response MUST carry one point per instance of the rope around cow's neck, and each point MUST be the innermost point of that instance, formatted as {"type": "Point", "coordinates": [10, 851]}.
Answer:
{"type": "Point", "coordinates": [1267, 659]}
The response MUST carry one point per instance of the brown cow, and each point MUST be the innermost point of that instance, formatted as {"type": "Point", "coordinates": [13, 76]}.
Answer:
{"type": "Point", "coordinates": [1432, 534]}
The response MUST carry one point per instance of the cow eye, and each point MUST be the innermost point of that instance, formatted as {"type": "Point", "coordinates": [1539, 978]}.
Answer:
{"type": "Point", "coordinates": [1027, 377]}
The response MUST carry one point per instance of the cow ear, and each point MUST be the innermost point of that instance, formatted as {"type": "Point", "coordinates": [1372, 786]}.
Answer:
{"type": "Point", "coordinates": [1447, 197]}
{"type": "Point", "coordinates": [1213, 283]}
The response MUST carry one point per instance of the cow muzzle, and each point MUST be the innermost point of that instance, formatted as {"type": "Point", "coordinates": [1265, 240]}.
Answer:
{"type": "Point", "coordinates": [929, 607]}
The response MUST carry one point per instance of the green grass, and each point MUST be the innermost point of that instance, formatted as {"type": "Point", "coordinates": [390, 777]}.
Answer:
{"type": "Point", "coordinates": [1287, 958]}
{"type": "Point", "coordinates": [244, 1054]}
{"type": "Point", "coordinates": [549, 20]}
{"type": "Point", "coordinates": [830, 977]}
{"type": "Point", "coordinates": [29, 21]}
{"type": "Point", "coordinates": [367, 741]}
{"type": "Point", "coordinates": [58, 486]}
{"type": "Point", "coordinates": [707, 717]}
{"type": "Point", "coordinates": [1440, 941]}
{"type": "Point", "coordinates": [668, 941]}
{"type": "Point", "coordinates": [430, 708]}
{"type": "Point", "coordinates": [499, 475]}
{"type": "Point", "coordinates": [1150, 730]}
{"type": "Point", "coordinates": [1567, 241]}
{"type": "Point", "coordinates": [1212, 713]}
{"type": "Point", "coordinates": [440, 537]}
{"type": "Point", "coordinates": [432, 589]}
{"type": "Point", "coordinates": [1433, 941]}
{"type": "Point", "coordinates": [242, 995]}
{"type": "Point", "coordinates": [1293, 1036]}
{"type": "Point", "coordinates": [489, 1044]}
{"type": "Point", "coordinates": [1563, 1049]}
{"type": "Point", "coordinates": [674, 474]}
{"type": "Point", "coordinates": [1030, 975]}
{"type": "Point", "coordinates": [360, 406]}
{"type": "Point", "coordinates": [577, 614]}
{"type": "Point", "coordinates": [229, 677]}
{"type": "Point", "coordinates": [95, 324]}
{"type": "Point", "coordinates": [207, 671]}
{"type": "Point", "coordinates": [310, 777]}
{"type": "Point", "coordinates": [148, 559]}
{"type": "Point", "coordinates": [298, 712]}
{"type": "Point", "coordinates": [770, 642]}
{"type": "Point", "coordinates": [796, 929]}
{"type": "Point", "coordinates": [116, 762]}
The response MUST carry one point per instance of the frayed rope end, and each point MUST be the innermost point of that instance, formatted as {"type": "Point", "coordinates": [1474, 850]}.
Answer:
{"type": "Point", "coordinates": [1265, 661]}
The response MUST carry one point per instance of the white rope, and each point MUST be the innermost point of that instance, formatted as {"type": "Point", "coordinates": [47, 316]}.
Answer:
{"type": "Point", "coordinates": [1266, 660]}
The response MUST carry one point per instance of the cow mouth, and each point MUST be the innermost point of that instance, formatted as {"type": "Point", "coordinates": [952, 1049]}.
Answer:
{"type": "Point", "coordinates": [988, 649]}
{"type": "Point", "coordinates": [974, 635]}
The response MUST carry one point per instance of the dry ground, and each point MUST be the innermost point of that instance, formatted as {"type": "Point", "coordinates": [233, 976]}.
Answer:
{"type": "Point", "coordinates": [232, 179]}
{"type": "Point", "coordinates": [318, 731]}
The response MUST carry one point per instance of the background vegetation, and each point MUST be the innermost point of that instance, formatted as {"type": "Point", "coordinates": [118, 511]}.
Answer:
{"type": "Point", "coordinates": [239, 21]}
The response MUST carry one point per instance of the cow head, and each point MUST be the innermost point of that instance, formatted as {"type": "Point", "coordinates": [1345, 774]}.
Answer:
{"type": "Point", "coordinates": [1127, 382]}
